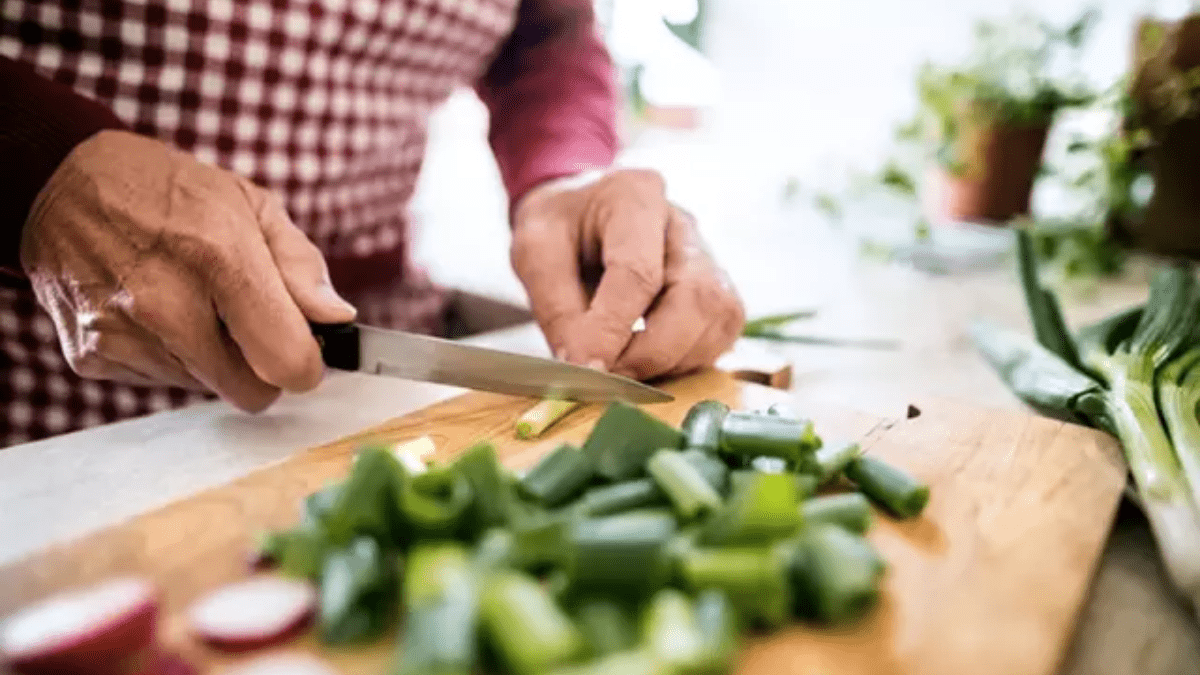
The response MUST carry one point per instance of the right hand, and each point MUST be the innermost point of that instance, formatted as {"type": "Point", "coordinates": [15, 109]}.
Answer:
{"type": "Point", "coordinates": [160, 270]}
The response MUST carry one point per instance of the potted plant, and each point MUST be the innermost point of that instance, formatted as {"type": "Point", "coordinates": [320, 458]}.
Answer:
{"type": "Point", "coordinates": [987, 121]}
{"type": "Point", "coordinates": [1162, 123]}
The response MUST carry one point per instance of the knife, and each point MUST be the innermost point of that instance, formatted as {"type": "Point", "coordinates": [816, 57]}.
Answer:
{"type": "Point", "coordinates": [412, 356]}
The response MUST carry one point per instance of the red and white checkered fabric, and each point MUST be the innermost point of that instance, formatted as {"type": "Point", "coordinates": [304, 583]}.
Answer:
{"type": "Point", "coordinates": [324, 101]}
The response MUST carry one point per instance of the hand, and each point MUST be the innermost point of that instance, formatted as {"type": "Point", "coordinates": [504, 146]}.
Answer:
{"type": "Point", "coordinates": [160, 270]}
{"type": "Point", "coordinates": [597, 254]}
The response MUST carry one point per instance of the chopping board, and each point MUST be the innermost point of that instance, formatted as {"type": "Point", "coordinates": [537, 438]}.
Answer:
{"type": "Point", "coordinates": [988, 581]}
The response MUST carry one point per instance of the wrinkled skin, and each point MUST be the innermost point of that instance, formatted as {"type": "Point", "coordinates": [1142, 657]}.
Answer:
{"type": "Point", "coordinates": [597, 252]}
{"type": "Point", "coordinates": [157, 269]}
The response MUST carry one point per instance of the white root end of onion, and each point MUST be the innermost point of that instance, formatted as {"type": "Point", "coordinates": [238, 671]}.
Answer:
{"type": "Point", "coordinates": [284, 664]}
{"type": "Point", "coordinates": [254, 612]}
{"type": "Point", "coordinates": [414, 454]}
{"type": "Point", "coordinates": [115, 618]}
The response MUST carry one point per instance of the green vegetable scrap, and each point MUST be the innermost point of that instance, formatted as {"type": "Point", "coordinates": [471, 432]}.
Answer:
{"type": "Point", "coordinates": [642, 552]}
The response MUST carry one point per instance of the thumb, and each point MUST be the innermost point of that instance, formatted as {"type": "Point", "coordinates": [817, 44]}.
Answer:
{"type": "Point", "coordinates": [302, 267]}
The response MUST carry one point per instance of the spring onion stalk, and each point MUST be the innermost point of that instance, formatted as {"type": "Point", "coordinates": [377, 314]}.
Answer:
{"type": "Point", "coordinates": [558, 476]}
{"type": "Point", "coordinates": [362, 506]}
{"type": "Point", "coordinates": [748, 435]}
{"type": "Point", "coordinates": [754, 579]}
{"type": "Point", "coordinates": [624, 555]}
{"type": "Point", "coordinates": [766, 464]}
{"type": "Point", "coordinates": [298, 552]}
{"type": "Point", "coordinates": [849, 510]}
{"type": "Point", "coordinates": [608, 625]}
{"type": "Point", "coordinates": [711, 467]}
{"type": "Point", "coordinates": [690, 493]}
{"type": "Point", "coordinates": [837, 573]}
{"type": "Point", "coordinates": [761, 508]}
{"type": "Point", "coordinates": [435, 570]}
{"type": "Point", "coordinates": [495, 548]}
{"type": "Point", "coordinates": [1179, 398]}
{"type": "Point", "coordinates": [414, 455]}
{"type": "Point", "coordinates": [702, 425]}
{"type": "Point", "coordinates": [536, 420]}
{"type": "Point", "coordinates": [617, 497]}
{"type": "Point", "coordinates": [832, 459]}
{"type": "Point", "coordinates": [540, 542]}
{"type": "Point", "coordinates": [889, 486]}
{"type": "Point", "coordinates": [528, 630]}
{"type": "Point", "coordinates": [624, 438]}
{"type": "Point", "coordinates": [670, 631]}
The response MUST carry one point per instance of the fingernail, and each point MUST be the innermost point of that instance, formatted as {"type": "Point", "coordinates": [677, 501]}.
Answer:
{"type": "Point", "coordinates": [332, 297]}
{"type": "Point", "coordinates": [595, 364]}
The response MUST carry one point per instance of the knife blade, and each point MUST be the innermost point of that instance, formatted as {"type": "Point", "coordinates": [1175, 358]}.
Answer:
{"type": "Point", "coordinates": [423, 358]}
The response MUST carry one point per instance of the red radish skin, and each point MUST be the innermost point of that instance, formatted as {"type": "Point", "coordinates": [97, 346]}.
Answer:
{"type": "Point", "coordinates": [284, 664]}
{"type": "Point", "coordinates": [165, 663]}
{"type": "Point", "coordinates": [260, 611]}
{"type": "Point", "coordinates": [96, 630]}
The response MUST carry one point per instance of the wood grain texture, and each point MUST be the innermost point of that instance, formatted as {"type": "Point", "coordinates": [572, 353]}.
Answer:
{"type": "Point", "coordinates": [989, 581]}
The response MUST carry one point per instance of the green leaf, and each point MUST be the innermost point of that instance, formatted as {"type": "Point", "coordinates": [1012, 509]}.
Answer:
{"type": "Point", "coordinates": [1048, 323]}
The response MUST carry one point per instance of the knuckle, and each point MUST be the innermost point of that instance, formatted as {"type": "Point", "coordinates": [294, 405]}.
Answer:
{"type": "Point", "coordinates": [646, 181]}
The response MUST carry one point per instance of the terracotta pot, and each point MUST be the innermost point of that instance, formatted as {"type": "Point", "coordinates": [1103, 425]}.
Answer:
{"type": "Point", "coordinates": [1001, 164]}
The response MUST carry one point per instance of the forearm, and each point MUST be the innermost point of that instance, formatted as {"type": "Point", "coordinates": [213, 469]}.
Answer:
{"type": "Point", "coordinates": [41, 121]}
{"type": "Point", "coordinates": [552, 96]}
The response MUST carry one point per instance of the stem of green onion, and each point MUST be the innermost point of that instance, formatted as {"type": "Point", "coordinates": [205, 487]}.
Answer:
{"type": "Point", "coordinates": [754, 579]}
{"type": "Point", "coordinates": [717, 624]}
{"type": "Point", "coordinates": [888, 486]}
{"type": "Point", "coordinates": [762, 507]}
{"type": "Point", "coordinates": [689, 491]}
{"type": "Point", "coordinates": [414, 455]}
{"type": "Point", "coordinates": [624, 555]}
{"type": "Point", "coordinates": [623, 496]}
{"type": "Point", "coordinates": [702, 425]}
{"type": "Point", "coordinates": [607, 625]}
{"type": "Point", "coordinates": [670, 631]}
{"type": "Point", "coordinates": [559, 476]}
{"type": "Point", "coordinates": [749, 435]}
{"type": "Point", "coordinates": [434, 503]}
{"type": "Point", "coordinates": [838, 572]}
{"type": "Point", "coordinates": [711, 467]}
{"type": "Point", "coordinates": [831, 460]}
{"type": "Point", "coordinates": [536, 420]}
{"type": "Point", "coordinates": [527, 628]}
{"type": "Point", "coordinates": [851, 511]}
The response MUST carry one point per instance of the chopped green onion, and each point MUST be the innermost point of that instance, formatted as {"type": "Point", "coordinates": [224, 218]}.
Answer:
{"type": "Point", "coordinates": [747, 434]}
{"type": "Point", "coordinates": [711, 467]}
{"type": "Point", "coordinates": [767, 464]}
{"type": "Point", "coordinates": [435, 503]}
{"type": "Point", "coordinates": [540, 541]}
{"type": "Point", "coordinates": [607, 624]}
{"type": "Point", "coordinates": [806, 485]}
{"type": "Point", "coordinates": [629, 662]}
{"type": "Point", "coordinates": [528, 630]}
{"type": "Point", "coordinates": [624, 438]}
{"type": "Point", "coordinates": [761, 508]}
{"type": "Point", "coordinates": [364, 504]}
{"type": "Point", "coordinates": [892, 488]}
{"type": "Point", "coordinates": [716, 622]}
{"type": "Point", "coordinates": [689, 491]}
{"type": "Point", "coordinates": [442, 612]}
{"type": "Point", "coordinates": [702, 425]}
{"type": "Point", "coordinates": [490, 487]}
{"type": "Point", "coordinates": [540, 417]}
{"type": "Point", "coordinates": [298, 552]}
{"type": "Point", "coordinates": [358, 596]}
{"type": "Point", "coordinates": [623, 555]}
{"type": "Point", "coordinates": [836, 575]}
{"type": "Point", "coordinates": [414, 455]}
{"type": "Point", "coordinates": [831, 460]}
{"type": "Point", "coordinates": [559, 476]}
{"type": "Point", "coordinates": [623, 496]}
{"type": "Point", "coordinates": [670, 631]}
{"type": "Point", "coordinates": [496, 548]}
{"type": "Point", "coordinates": [754, 579]}
{"type": "Point", "coordinates": [851, 511]}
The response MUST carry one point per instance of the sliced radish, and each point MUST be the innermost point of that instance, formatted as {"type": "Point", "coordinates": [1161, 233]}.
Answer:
{"type": "Point", "coordinates": [253, 613]}
{"type": "Point", "coordinates": [168, 664]}
{"type": "Point", "coordinates": [284, 664]}
{"type": "Point", "coordinates": [89, 630]}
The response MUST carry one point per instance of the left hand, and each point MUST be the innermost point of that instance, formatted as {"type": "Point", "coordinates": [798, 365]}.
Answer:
{"type": "Point", "coordinates": [596, 253]}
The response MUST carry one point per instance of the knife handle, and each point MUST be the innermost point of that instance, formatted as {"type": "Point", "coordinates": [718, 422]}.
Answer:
{"type": "Point", "coordinates": [339, 344]}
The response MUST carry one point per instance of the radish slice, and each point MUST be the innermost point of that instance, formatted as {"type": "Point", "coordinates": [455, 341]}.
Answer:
{"type": "Point", "coordinates": [168, 664]}
{"type": "Point", "coordinates": [253, 613]}
{"type": "Point", "coordinates": [89, 630]}
{"type": "Point", "coordinates": [284, 664]}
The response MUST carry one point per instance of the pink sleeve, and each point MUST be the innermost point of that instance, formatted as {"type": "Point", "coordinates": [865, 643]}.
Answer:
{"type": "Point", "coordinates": [552, 96]}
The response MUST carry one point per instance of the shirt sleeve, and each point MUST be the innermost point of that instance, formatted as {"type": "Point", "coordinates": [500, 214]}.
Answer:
{"type": "Point", "coordinates": [551, 95]}
{"type": "Point", "coordinates": [41, 121]}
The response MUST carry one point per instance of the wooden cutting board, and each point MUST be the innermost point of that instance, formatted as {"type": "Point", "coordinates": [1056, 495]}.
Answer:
{"type": "Point", "coordinates": [989, 581]}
